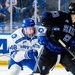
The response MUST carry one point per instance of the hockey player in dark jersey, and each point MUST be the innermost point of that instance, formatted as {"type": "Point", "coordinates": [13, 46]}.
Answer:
{"type": "Point", "coordinates": [60, 25]}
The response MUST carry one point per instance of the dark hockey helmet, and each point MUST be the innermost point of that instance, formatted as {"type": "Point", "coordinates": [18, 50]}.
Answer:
{"type": "Point", "coordinates": [28, 22]}
{"type": "Point", "coordinates": [45, 20]}
{"type": "Point", "coordinates": [71, 8]}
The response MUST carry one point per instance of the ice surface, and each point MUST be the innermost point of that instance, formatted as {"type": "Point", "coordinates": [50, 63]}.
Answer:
{"type": "Point", "coordinates": [56, 71]}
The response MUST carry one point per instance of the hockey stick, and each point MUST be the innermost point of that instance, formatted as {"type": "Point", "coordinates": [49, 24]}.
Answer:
{"type": "Point", "coordinates": [67, 48]}
{"type": "Point", "coordinates": [37, 60]}
{"type": "Point", "coordinates": [36, 66]}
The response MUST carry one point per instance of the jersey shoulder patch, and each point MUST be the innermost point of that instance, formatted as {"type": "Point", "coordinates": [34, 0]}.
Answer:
{"type": "Point", "coordinates": [55, 14]}
{"type": "Point", "coordinates": [14, 35]}
{"type": "Point", "coordinates": [41, 30]}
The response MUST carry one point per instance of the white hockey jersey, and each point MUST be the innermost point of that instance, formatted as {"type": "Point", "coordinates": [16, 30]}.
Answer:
{"type": "Point", "coordinates": [18, 41]}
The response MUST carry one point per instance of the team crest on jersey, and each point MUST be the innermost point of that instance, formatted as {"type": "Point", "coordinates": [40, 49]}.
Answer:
{"type": "Point", "coordinates": [41, 30]}
{"type": "Point", "coordinates": [14, 35]}
{"type": "Point", "coordinates": [55, 14]}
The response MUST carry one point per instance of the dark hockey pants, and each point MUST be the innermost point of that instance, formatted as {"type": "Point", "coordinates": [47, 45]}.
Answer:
{"type": "Point", "coordinates": [48, 60]}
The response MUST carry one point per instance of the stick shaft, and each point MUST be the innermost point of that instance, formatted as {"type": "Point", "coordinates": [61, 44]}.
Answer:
{"type": "Point", "coordinates": [67, 48]}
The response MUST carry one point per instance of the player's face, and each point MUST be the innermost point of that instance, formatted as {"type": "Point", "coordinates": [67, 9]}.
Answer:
{"type": "Point", "coordinates": [30, 31]}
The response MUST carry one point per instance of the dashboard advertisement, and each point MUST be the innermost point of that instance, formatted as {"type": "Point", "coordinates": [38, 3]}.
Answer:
{"type": "Point", "coordinates": [4, 43]}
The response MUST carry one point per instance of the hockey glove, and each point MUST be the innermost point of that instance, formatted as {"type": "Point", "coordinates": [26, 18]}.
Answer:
{"type": "Point", "coordinates": [55, 33]}
{"type": "Point", "coordinates": [32, 54]}
{"type": "Point", "coordinates": [42, 40]}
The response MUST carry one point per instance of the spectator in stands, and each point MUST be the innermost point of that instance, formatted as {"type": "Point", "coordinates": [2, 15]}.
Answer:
{"type": "Point", "coordinates": [3, 3]}
{"type": "Point", "coordinates": [14, 3]}
{"type": "Point", "coordinates": [2, 17]}
{"type": "Point", "coordinates": [41, 3]}
{"type": "Point", "coordinates": [24, 6]}
{"type": "Point", "coordinates": [2, 13]}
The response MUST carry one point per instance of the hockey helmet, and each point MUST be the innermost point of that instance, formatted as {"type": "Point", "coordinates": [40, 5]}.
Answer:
{"type": "Point", "coordinates": [28, 22]}
{"type": "Point", "coordinates": [71, 8]}
{"type": "Point", "coordinates": [45, 20]}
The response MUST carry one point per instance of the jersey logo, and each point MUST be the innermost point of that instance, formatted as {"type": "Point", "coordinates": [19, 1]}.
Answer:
{"type": "Point", "coordinates": [70, 32]}
{"type": "Point", "coordinates": [55, 14]}
{"type": "Point", "coordinates": [14, 35]}
{"type": "Point", "coordinates": [24, 46]}
{"type": "Point", "coordinates": [69, 29]}
{"type": "Point", "coordinates": [41, 30]}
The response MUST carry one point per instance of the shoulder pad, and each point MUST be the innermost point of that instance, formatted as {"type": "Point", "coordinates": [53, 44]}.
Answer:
{"type": "Point", "coordinates": [55, 14]}
{"type": "Point", "coordinates": [16, 34]}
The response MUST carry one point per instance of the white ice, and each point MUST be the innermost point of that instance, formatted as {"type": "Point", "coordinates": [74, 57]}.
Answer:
{"type": "Point", "coordinates": [56, 71]}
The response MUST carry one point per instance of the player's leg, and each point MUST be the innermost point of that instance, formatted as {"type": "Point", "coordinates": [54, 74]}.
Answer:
{"type": "Point", "coordinates": [68, 63]}
{"type": "Point", "coordinates": [46, 62]}
{"type": "Point", "coordinates": [16, 62]}
{"type": "Point", "coordinates": [30, 63]}
{"type": "Point", "coordinates": [14, 69]}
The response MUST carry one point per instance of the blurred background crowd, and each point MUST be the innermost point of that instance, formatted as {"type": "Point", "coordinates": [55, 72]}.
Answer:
{"type": "Point", "coordinates": [26, 8]}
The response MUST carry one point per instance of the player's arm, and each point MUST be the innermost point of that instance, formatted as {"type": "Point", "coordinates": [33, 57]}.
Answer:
{"type": "Point", "coordinates": [45, 40]}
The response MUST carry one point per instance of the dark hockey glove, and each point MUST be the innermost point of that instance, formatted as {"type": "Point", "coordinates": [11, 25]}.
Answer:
{"type": "Point", "coordinates": [55, 33]}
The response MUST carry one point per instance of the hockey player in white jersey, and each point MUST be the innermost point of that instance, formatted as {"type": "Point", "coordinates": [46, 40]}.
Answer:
{"type": "Point", "coordinates": [23, 46]}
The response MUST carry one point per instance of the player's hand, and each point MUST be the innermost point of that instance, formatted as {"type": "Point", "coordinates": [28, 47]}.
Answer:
{"type": "Point", "coordinates": [42, 40]}
{"type": "Point", "coordinates": [32, 54]}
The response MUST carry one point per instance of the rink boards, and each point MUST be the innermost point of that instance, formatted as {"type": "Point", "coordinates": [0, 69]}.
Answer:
{"type": "Point", "coordinates": [4, 56]}
{"type": "Point", "coordinates": [3, 48]}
